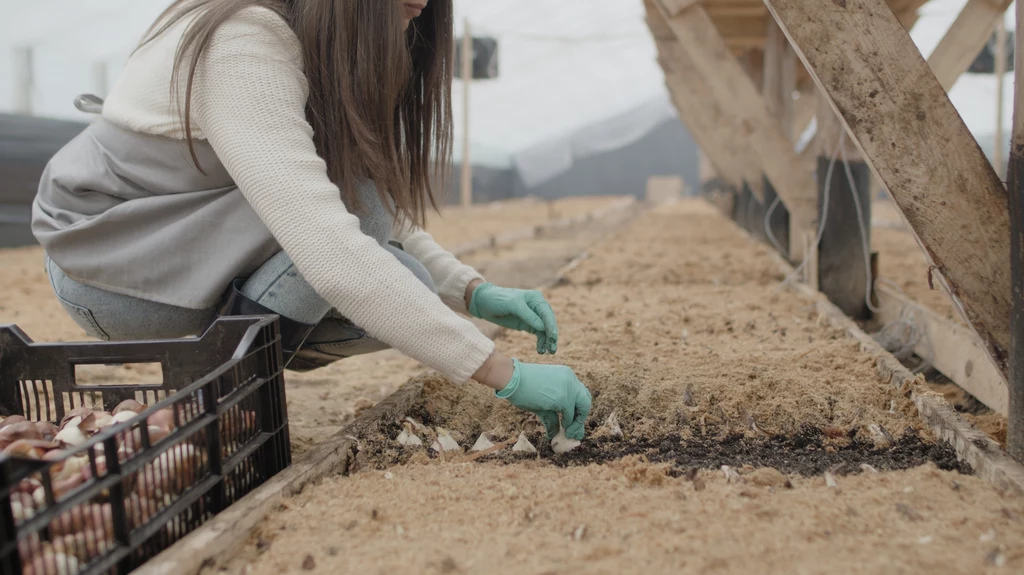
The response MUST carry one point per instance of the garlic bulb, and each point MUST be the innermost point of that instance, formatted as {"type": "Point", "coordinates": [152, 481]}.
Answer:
{"type": "Point", "coordinates": [71, 434]}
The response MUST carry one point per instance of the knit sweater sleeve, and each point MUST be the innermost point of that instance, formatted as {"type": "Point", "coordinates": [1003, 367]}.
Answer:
{"type": "Point", "coordinates": [249, 100]}
{"type": "Point", "coordinates": [449, 274]}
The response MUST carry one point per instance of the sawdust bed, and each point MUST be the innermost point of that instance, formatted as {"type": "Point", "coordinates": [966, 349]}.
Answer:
{"type": "Point", "coordinates": [674, 326]}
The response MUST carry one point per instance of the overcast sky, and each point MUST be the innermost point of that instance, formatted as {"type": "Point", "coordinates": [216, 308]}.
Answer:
{"type": "Point", "coordinates": [565, 64]}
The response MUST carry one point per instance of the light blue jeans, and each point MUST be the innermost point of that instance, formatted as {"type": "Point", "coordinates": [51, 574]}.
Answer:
{"type": "Point", "coordinates": [276, 285]}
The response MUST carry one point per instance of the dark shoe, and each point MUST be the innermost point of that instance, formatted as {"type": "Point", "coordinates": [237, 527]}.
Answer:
{"type": "Point", "coordinates": [293, 333]}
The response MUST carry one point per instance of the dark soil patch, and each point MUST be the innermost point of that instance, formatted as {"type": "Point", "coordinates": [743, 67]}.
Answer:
{"type": "Point", "coordinates": [808, 453]}
{"type": "Point", "coordinates": [805, 454]}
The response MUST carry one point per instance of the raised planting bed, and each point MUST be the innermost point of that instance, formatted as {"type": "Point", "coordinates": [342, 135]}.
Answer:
{"type": "Point", "coordinates": [759, 433]}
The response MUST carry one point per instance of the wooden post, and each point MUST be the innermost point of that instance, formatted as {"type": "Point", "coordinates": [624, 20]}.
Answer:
{"type": "Point", "coordinates": [917, 145]}
{"type": "Point", "coordinates": [697, 35]}
{"type": "Point", "coordinates": [843, 265]}
{"type": "Point", "coordinates": [778, 81]}
{"type": "Point", "coordinates": [23, 80]}
{"type": "Point", "coordinates": [1000, 70]}
{"type": "Point", "coordinates": [467, 79]}
{"type": "Point", "coordinates": [964, 39]}
{"type": "Point", "coordinates": [1015, 381]}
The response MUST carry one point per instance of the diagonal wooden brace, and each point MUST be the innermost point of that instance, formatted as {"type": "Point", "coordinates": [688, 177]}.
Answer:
{"type": "Point", "coordinates": [898, 114]}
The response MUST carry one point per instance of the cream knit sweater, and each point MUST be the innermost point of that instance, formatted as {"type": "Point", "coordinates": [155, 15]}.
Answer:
{"type": "Point", "coordinates": [249, 102]}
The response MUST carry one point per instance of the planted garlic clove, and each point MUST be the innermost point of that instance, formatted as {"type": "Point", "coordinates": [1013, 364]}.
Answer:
{"type": "Point", "coordinates": [482, 443]}
{"type": "Point", "coordinates": [446, 441]}
{"type": "Point", "coordinates": [417, 426]}
{"type": "Point", "coordinates": [562, 444]}
{"type": "Point", "coordinates": [409, 439]}
{"type": "Point", "coordinates": [610, 428]}
{"type": "Point", "coordinates": [524, 445]}
{"type": "Point", "coordinates": [731, 475]}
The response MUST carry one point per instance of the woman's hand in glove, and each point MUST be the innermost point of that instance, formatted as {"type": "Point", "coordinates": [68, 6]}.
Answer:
{"type": "Point", "coordinates": [547, 391]}
{"type": "Point", "coordinates": [522, 310]}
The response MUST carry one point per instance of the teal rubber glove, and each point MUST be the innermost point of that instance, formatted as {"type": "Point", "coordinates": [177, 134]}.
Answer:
{"type": "Point", "coordinates": [547, 391]}
{"type": "Point", "coordinates": [517, 309]}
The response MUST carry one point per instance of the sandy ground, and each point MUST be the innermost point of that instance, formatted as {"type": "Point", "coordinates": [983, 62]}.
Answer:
{"type": "Point", "coordinates": [674, 325]}
{"type": "Point", "coordinates": [456, 225]}
{"type": "Point", "coordinates": [473, 518]}
{"type": "Point", "coordinates": [323, 401]}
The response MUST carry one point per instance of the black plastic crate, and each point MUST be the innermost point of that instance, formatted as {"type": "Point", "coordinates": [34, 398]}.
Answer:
{"type": "Point", "coordinates": [127, 509]}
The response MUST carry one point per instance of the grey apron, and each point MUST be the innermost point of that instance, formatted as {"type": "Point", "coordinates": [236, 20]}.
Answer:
{"type": "Point", "coordinates": [129, 213]}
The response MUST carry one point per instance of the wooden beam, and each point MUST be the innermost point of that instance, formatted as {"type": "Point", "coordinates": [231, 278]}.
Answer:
{"type": "Point", "coordinates": [1000, 70]}
{"type": "Point", "coordinates": [778, 80]}
{"type": "Point", "coordinates": [1015, 431]}
{"type": "Point", "coordinates": [717, 11]}
{"type": "Point", "coordinates": [949, 346]}
{"type": "Point", "coordinates": [707, 121]}
{"type": "Point", "coordinates": [676, 6]}
{"type": "Point", "coordinates": [790, 177]}
{"type": "Point", "coordinates": [741, 26]}
{"type": "Point", "coordinates": [917, 145]}
{"type": "Point", "coordinates": [965, 39]}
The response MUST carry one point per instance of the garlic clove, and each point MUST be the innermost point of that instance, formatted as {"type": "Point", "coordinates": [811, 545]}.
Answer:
{"type": "Point", "coordinates": [482, 443]}
{"type": "Point", "coordinates": [445, 441]}
{"type": "Point", "coordinates": [123, 416]}
{"type": "Point", "coordinates": [561, 444]}
{"type": "Point", "coordinates": [524, 445]}
{"type": "Point", "coordinates": [129, 405]}
{"type": "Point", "coordinates": [71, 435]}
{"type": "Point", "coordinates": [418, 427]}
{"type": "Point", "coordinates": [103, 419]}
{"type": "Point", "coordinates": [611, 428]}
{"type": "Point", "coordinates": [731, 475]}
{"type": "Point", "coordinates": [407, 438]}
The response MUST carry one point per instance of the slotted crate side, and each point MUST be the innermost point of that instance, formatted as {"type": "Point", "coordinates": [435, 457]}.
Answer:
{"type": "Point", "coordinates": [156, 490]}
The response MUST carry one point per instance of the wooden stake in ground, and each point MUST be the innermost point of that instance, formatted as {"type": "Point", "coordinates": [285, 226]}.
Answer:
{"type": "Point", "coordinates": [865, 63]}
{"type": "Point", "coordinates": [467, 79]}
{"type": "Point", "coordinates": [1015, 432]}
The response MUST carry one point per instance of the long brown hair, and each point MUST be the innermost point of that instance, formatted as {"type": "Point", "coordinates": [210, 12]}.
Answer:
{"type": "Point", "coordinates": [379, 97]}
